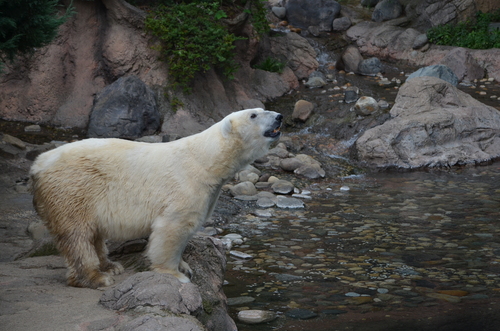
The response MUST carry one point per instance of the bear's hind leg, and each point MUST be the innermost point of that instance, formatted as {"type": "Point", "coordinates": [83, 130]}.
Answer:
{"type": "Point", "coordinates": [105, 264]}
{"type": "Point", "coordinates": [83, 262]}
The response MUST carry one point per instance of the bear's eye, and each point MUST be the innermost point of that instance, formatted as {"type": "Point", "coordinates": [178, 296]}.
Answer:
{"type": "Point", "coordinates": [253, 116]}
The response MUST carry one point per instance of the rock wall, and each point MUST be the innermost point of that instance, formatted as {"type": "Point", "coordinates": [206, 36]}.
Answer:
{"type": "Point", "coordinates": [104, 41]}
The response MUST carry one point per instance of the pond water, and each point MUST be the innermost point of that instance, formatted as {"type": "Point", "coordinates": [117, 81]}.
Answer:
{"type": "Point", "coordinates": [398, 250]}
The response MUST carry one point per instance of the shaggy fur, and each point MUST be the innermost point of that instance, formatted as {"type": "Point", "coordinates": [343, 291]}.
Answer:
{"type": "Point", "coordinates": [95, 189]}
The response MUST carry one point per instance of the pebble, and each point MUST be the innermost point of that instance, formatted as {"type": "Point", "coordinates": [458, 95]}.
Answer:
{"type": "Point", "coordinates": [302, 314]}
{"type": "Point", "coordinates": [240, 255]}
{"type": "Point", "coordinates": [293, 203]}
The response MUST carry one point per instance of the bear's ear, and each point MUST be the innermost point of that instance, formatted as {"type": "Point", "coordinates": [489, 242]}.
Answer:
{"type": "Point", "coordinates": [227, 127]}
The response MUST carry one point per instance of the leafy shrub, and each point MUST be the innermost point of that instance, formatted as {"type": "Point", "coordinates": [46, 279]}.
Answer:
{"type": "Point", "coordinates": [271, 64]}
{"type": "Point", "coordinates": [468, 34]}
{"type": "Point", "coordinates": [28, 24]}
{"type": "Point", "coordinates": [192, 39]}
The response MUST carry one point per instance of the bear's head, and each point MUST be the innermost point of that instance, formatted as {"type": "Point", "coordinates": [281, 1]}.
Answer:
{"type": "Point", "coordinates": [256, 129]}
{"type": "Point", "coordinates": [253, 125]}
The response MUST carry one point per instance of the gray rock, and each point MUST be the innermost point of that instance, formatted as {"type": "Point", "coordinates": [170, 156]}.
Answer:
{"type": "Point", "coordinates": [387, 10]}
{"type": "Point", "coordinates": [240, 300]}
{"type": "Point", "coordinates": [437, 70]}
{"type": "Point", "coordinates": [366, 106]}
{"type": "Point", "coordinates": [370, 67]}
{"type": "Point", "coordinates": [32, 128]}
{"type": "Point", "coordinates": [293, 203]}
{"type": "Point", "coordinates": [153, 289]}
{"type": "Point", "coordinates": [248, 176]}
{"type": "Point", "coordinates": [243, 188]}
{"type": "Point", "coordinates": [125, 109]}
{"type": "Point", "coordinates": [351, 58]}
{"type": "Point", "coordinates": [369, 3]}
{"type": "Point", "coordinates": [420, 41]}
{"type": "Point", "coordinates": [152, 322]}
{"type": "Point", "coordinates": [304, 13]}
{"type": "Point", "coordinates": [265, 203]}
{"type": "Point", "coordinates": [314, 30]}
{"type": "Point", "coordinates": [311, 171]}
{"type": "Point", "coordinates": [351, 95]}
{"type": "Point", "coordinates": [315, 82]}
{"type": "Point", "coordinates": [341, 24]}
{"type": "Point", "coordinates": [280, 12]}
{"type": "Point", "coordinates": [302, 110]}
{"type": "Point", "coordinates": [256, 316]}
{"type": "Point", "coordinates": [290, 164]}
{"type": "Point", "coordinates": [442, 127]}
{"type": "Point", "coordinates": [282, 187]}
{"type": "Point", "coordinates": [463, 64]}
{"type": "Point", "coordinates": [302, 314]}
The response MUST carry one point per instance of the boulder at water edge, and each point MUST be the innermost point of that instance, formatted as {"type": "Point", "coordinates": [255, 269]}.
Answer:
{"type": "Point", "coordinates": [433, 124]}
{"type": "Point", "coordinates": [125, 109]}
{"type": "Point", "coordinates": [304, 13]}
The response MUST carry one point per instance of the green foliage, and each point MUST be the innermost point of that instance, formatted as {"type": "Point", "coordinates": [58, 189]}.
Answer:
{"type": "Point", "coordinates": [258, 18]}
{"type": "Point", "coordinates": [468, 34]}
{"type": "Point", "coordinates": [193, 39]}
{"type": "Point", "coordinates": [271, 64]}
{"type": "Point", "coordinates": [27, 24]}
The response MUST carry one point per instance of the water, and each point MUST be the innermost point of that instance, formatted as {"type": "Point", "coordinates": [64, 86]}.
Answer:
{"type": "Point", "coordinates": [420, 232]}
{"type": "Point", "coordinates": [408, 248]}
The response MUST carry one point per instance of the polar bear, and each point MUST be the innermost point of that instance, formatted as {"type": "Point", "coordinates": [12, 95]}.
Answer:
{"type": "Point", "coordinates": [97, 189]}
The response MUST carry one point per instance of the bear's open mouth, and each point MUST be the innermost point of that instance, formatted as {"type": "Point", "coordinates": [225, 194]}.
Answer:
{"type": "Point", "coordinates": [275, 131]}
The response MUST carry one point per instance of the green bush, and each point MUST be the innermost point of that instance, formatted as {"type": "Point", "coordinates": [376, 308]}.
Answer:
{"type": "Point", "coordinates": [468, 34]}
{"type": "Point", "coordinates": [192, 39]}
{"type": "Point", "coordinates": [271, 64]}
{"type": "Point", "coordinates": [28, 24]}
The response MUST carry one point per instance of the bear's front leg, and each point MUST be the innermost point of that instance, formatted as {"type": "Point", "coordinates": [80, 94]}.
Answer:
{"type": "Point", "coordinates": [167, 243]}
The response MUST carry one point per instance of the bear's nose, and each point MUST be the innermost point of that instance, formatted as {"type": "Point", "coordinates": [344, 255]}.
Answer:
{"type": "Point", "coordinates": [279, 117]}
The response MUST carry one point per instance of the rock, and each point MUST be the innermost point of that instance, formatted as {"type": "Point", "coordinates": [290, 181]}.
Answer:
{"type": "Point", "coordinates": [125, 109]}
{"type": "Point", "coordinates": [304, 13]}
{"type": "Point", "coordinates": [351, 58]}
{"type": "Point", "coordinates": [256, 316]}
{"type": "Point", "coordinates": [280, 12]}
{"type": "Point", "coordinates": [152, 322]}
{"type": "Point", "coordinates": [341, 24]}
{"type": "Point", "coordinates": [243, 188]}
{"type": "Point", "coordinates": [297, 52]}
{"type": "Point", "coordinates": [387, 10]}
{"type": "Point", "coordinates": [442, 127]}
{"type": "Point", "coordinates": [238, 301]}
{"type": "Point", "coordinates": [32, 128]}
{"type": "Point", "coordinates": [265, 203]}
{"type": "Point", "coordinates": [370, 67]}
{"type": "Point", "coordinates": [315, 82]}
{"type": "Point", "coordinates": [240, 255]}
{"type": "Point", "coordinates": [311, 171]}
{"type": "Point", "coordinates": [437, 70]}
{"type": "Point", "coordinates": [366, 106]}
{"type": "Point", "coordinates": [293, 203]}
{"type": "Point", "coordinates": [445, 297]}
{"type": "Point", "coordinates": [282, 187]}
{"type": "Point", "coordinates": [248, 176]}
{"type": "Point", "coordinates": [13, 141]}
{"type": "Point", "coordinates": [302, 314]}
{"type": "Point", "coordinates": [463, 65]}
{"type": "Point", "coordinates": [154, 289]}
{"type": "Point", "coordinates": [290, 164]}
{"type": "Point", "coordinates": [369, 3]}
{"type": "Point", "coordinates": [420, 41]}
{"type": "Point", "coordinates": [314, 30]}
{"type": "Point", "coordinates": [351, 94]}
{"type": "Point", "coordinates": [302, 110]}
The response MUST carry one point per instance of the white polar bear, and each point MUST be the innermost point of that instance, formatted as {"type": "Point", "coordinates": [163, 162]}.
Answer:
{"type": "Point", "coordinates": [95, 189]}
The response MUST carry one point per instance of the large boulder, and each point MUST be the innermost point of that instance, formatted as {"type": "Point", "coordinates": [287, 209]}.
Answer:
{"type": "Point", "coordinates": [125, 109]}
{"type": "Point", "coordinates": [387, 10]}
{"type": "Point", "coordinates": [202, 300]}
{"type": "Point", "coordinates": [296, 52]}
{"type": "Point", "coordinates": [433, 124]}
{"type": "Point", "coordinates": [305, 13]}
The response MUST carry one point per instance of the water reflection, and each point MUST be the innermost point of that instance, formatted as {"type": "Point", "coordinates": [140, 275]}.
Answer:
{"type": "Point", "coordinates": [392, 242]}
